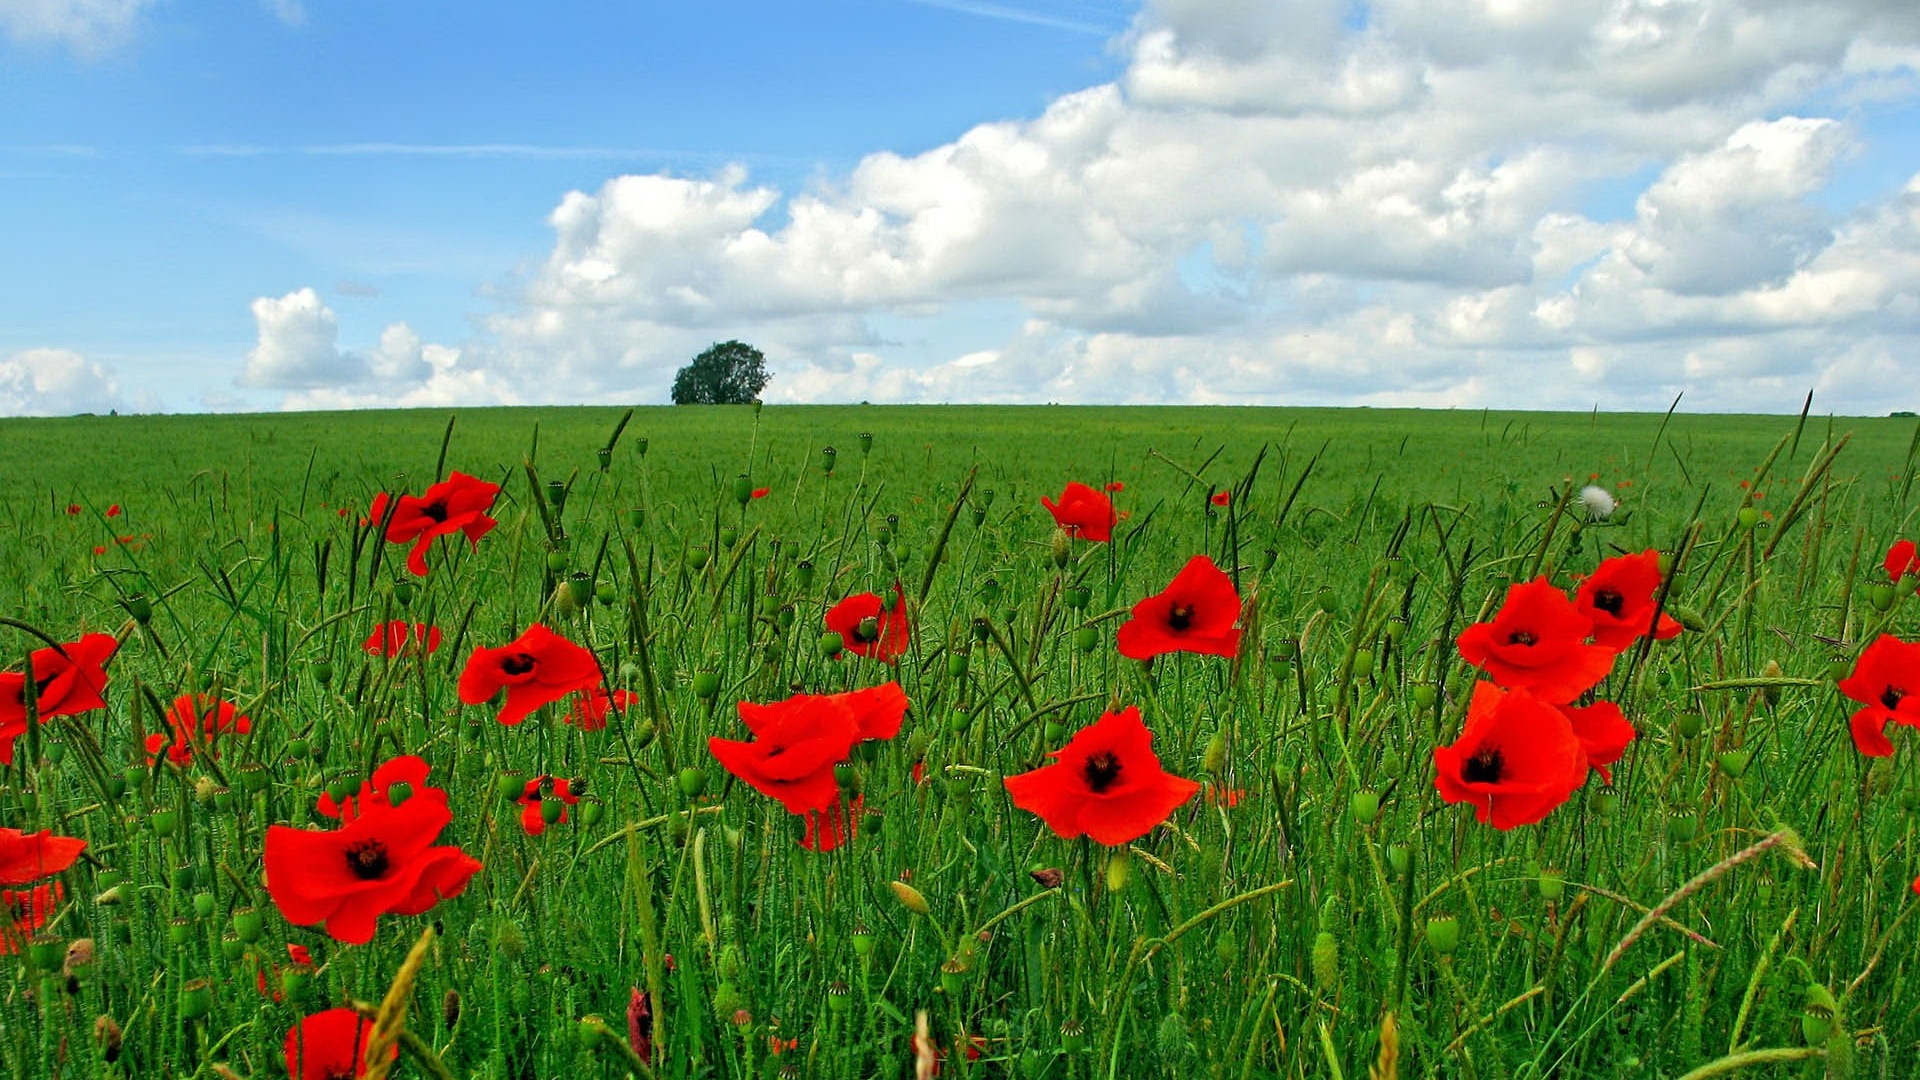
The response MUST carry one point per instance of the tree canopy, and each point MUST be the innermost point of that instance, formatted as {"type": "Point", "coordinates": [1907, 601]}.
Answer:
{"type": "Point", "coordinates": [729, 373]}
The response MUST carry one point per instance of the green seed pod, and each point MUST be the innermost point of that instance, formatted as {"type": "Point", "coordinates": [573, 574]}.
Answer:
{"type": "Point", "coordinates": [742, 490]}
{"type": "Point", "coordinates": [866, 442]}
{"type": "Point", "coordinates": [697, 557]}
{"type": "Point", "coordinates": [1748, 516]}
{"type": "Point", "coordinates": [953, 977]}
{"type": "Point", "coordinates": [140, 608]}
{"type": "Point", "coordinates": [297, 749]}
{"type": "Point", "coordinates": [1604, 802]}
{"type": "Point", "coordinates": [729, 536]}
{"type": "Point", "coordinates": [1077, 597]}
{"type": "Point", "coordinates": [862, 941]}
{"type": "Point", "coordinates": [1286, 649]}
{"type": "Point", "coordinates": [403, 592]}
{"type": "Point", "coordinates": [45, 951]}
{"type": "Point", "coordinates": [831, 644]}
{"type": "Point", "coordinates": [203, 905]}
{"type": "Point", "coordinates": [1443, 934]}
{"type": "Point", "coordinates": [1326, 963]}
{"type": "Point", "coordinates": [606, 593]}
{"type": "Point", "coordinates": [1687, 617]}
{"type": "Point", "coordinates": [1839, 667]}
{"type": "Point", "coordinates": [1734, 762]}
{"type": "Point", "coordinates": [1054, 732]}
{"type": "Point", "coordinates": [1880, 595]}
{"type": "Point", "coordinates": [179, 930]}
{"type": "Point", "coordinates": [850, 777]}
{"type": "Point", "coordinates": [1215, 759]}
{"type": "Point", "coordinates": [1552, 885]}
{"type": "Point", "coordinates": [1073, 1035]}
{"type": "Point", "coordinates": [580, 588]}
{"type": "Point", "coordinates": [1363, 662]}
{"type": "Point", "coordinates": [603, 457]}
{"type": "Point", "coordinates": [1688, 724]}
{"type": "Point", "coordinates": [1365, 806]}
{"type": "Point", "coordinates": [253, 777]}
{"type": "Point", "coordinates": [1682, 826]}
{"type": "Point", "coordinates": [1424, 695]}
{"type": "Point", "coordinates": [1086, 639]}
{"type": "Point", "coordinates": [1818, 1016]}
{"type": "Point", "coordinates": [557, 495]}
{"type": "Point", "coordinates": [637, 517]}
{"type": "Point", "coordinates": [511, 785]}
{"type": "Point", "coordinates": [706, 685]}
{"type": "Point", "coordinates": [115, 787]}
{"type": "Point", "coordinates": [692, 781]}
{"type": "Point", "coordinates": [322, 671]}
{"type": "Point", "coordinates": [552, 810]}
{"type": "Point", "coordinates": [183, 877]}
{"type": "Point", "coordinates": [231, 947]}
{"type": "Point", "coordinates": [248, 924]}
{"type": "Point", "coordinates": [1399, 859]}
{"type": "Point", "coordinates": [1119, 870]}
{"type": "Point", "coordinates": [196, 999]}
{"type": "Point", "coordinates": [956, 664]}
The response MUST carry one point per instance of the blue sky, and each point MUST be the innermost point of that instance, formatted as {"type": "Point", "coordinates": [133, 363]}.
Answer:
{"type": "Point", "coordinates": [236, 205]}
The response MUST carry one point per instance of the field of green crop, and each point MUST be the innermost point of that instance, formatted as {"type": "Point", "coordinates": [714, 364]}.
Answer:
{"type": "Point", "coordinates": [631, 897]}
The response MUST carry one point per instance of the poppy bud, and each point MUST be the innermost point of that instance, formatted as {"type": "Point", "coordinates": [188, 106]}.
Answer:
{"type": "Point", "coordinates": [196, 999]}
{"type": "Point", "coordinates": [831, 644]}
{"type": "Point", "coordinates": [1734, 762]}
{"type": "Point", "coordinates": [866, 442]}
{"type": "Point", "coordinates": [1062, 547]}
{"type": "Point", "coordinates": [403, 592]}
{"type": "Point", "coordinates": [706, 685]}
{"type": "Point", "coordinates": [1687, 724]}
{"type": "Point", "coordinates": [697, 557]}
{"type": "Point", "coordinates": [828, 456]}
{"type": "Point", "coordinates": [637, 517]}
{"type": "Point", "coordinates": [1326, 962]}
{"type": "Point", "coordinates": [1055, 732]}
{"type": "Point", "coordinates": [729, 536]}
{"type": "Point", "coordinates": [1552, 885]}
{"type": "Point", "coordinates": [1215, 760]}
{"type": "Point", "coordinates": [1687, 617]}
{"type": "Point", "coordinates": [508, 937]}
{"type": "Point", "coordinates": [140, 608]}
{"type": "Point", "coordinates": [1119, 870]}
{"type": "Point", "coordinates": [1443, 934]}
{"type": "Point", "coordinates": [910, 897]}
{"type": "Point", "coordinates": [692, 781]}
{"type": "Point", "coordinates": [1365, 806]}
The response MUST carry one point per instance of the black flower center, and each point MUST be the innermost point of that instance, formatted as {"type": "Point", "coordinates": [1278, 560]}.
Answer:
{"type": "Point", "coordinates": [1102, 770]}
{"type": "Point", "coordinates": [1484, 767]}
{"type": "Point", "coordinates": [434, 511]}
{"type": "Point", "coordinates": [367, 859]}
{"type": "Point", "coordinates": [1180, 617]}
{"type": "Point", "coordinates": [1609, 601]}
{"type": "Point", "coordinates": [1890, 697]}
{"type": "Point", "coordinates": [518, 664]}
{"type": "Point", "coordinates": [1522, 637]}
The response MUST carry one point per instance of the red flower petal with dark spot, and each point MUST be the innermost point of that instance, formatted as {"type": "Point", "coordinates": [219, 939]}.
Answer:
{"type": "Point", "coordinates": [1106, 783]}
{"type": "Point", "coordinates": [458, 504]}
{"type": "Point", "coordinates": [538, 667]}
{"type": "Point", "coordinates": [1196, 613]}
{"type": "Point", "coordinates": [1082, 512]}
{"type": "Point", "coordinates": [866, 628]}
{"type": "Point", "coordinates": [1538, 643]}
{"type": "Point", "coordinates": [1619, 596]}
{"type": "Point", "coordinates": [67, 681]}
{"type": "Point", "coordinates": [1516, 759]}
{"type": "Point", "coordinates": [1886, 682]}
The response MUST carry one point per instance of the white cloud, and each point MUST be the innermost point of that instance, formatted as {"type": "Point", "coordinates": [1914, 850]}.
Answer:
{"type": "Point", "coordinates": [298, 345]}
{"type": "Point", "coordinates": [298, 350]}
{"type": "Point", "coordinates": [88, 27]}
{"type": "Point", "coordinates": [55, 382]}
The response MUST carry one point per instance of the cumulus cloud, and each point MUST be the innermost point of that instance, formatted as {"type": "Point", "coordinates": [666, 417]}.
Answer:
{"type": "Point", "coordinates": [55, 382]}
{"type": "Point", "coordinates": [298, 350]}
{"type": "Point", "coordinates": [88, 27]}
{"type": "Point", "coordinates": [1440, 202]}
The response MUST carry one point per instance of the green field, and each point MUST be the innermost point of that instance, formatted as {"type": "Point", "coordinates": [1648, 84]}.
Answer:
{"type": "Point", "coordinates": [1736, 901]}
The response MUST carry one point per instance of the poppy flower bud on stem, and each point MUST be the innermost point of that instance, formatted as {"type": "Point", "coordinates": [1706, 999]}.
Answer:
{"type": "Point", "coordinates": [140, 608]}
{"type": "Point", "coordinates": [742, 489]}
{"type": "Point", "coordinates": [1443, 934]}
{"type": "Point", "coordinates": [1366, 806]}
{"type": "Point", "coordinates": [1119, 870]}
{"type": "Point", "coordinates": [866, 442]}
{"type": "Point", "coordinates": [910, 897]}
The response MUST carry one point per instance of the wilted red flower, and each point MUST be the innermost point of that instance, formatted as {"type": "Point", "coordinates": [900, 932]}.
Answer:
{"type": "Point", "coordinates": [1082, 512]}
{"type": "Point", "coordinates": [458, 504]}
{"type": "Point", "coordinates": [195, 716]}
{"type": "Point", "coordinates": [538, 667]}
{"type": "Point", "coordinates": [331, 1045]}
{"type": "Point", "coordinates": [26, 911]}
{"type": "Point", "coordinates": [379, 793]}
{"type": "Point", "coordinates": [1619, 597]}
{"type": "Point", "coordinates": [1538, 642]}
{"type": "Point", "coordinates": [1516, 759]}
{"type": "Point", "coordinates": [1221, 497]}
{"type": "Point", "coordinates": [1902, 559]}
{"type": "Point", "coordinates": [26, 857]}
{"type": "Point", "coordinates": [591, 707]}
{"type": "Point", "coordinates": [868, 627]}
{"type": "Point", "coordinates": [381, 862]}
{"type": "Point", "coordinates": [1106, 783]}
{"type": "Point", "coordinates": [114, 510]}
{"type": "Point", "coordinates": [538, 789]}
{"type": "Point", "coordinates": [1196, 613]}
{"type": "Point", "coordinates": [1884, 680]}
{"type": "Point", "coordinates": [640, 1022]}
{"type": "Point", "coordinates": [392, 638]}
{"type": "Point", "coordinates": [66, 681]}
{"type": "Point", "coordinates": [797, 742]}
{"type": "Point", "coordinates": [1603, 732]}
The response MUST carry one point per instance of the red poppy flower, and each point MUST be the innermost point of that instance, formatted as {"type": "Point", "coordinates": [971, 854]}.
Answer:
{"type": "Point", "coordinates": [73, 509]}
{"type": "Point", "coordinates": [379, 793]}
{"type": "Point", "coordinates": [838, 823]}
{"type": "Point", "coordinates": [1538, 642]}
{"type": "Point", "coordinates": [299, 959]}
{"type": "Point", "coordinates": [1106, 783]}
{"type": "Point", "coordinates": [591, 707]}
{"type": "Point", "coordinates": [538, 667]}
{"type": "Point", "coordinates": [25, 912]}
{"type": "Point", "coordinates": [114, 510]}
{"type": "Point", "coordinates": [67, 681]}
{"type": "Point", "coordinates": [1196, 613]}
{"type": "Point", "coordinates": [1217, 795]}
{"type": "Point", "coordinates": [194, 716]}
{"type": "Point", "coordinates": [867, 628]}
{"type": "Point", "coordinates": [1603, 733]}
{"type": "Point", "coordinates": [1082, 512]}
{"type": "Point", "coordinates": [99, 550]}
{"type": "Point", "coordinates": [1619, 596]}
{"type": "Point", "coordinates": [382, 862]}
{"type": "Point", "coordinates": [391, 639]}
{"type": "Point", "coordinates": [1516, 759]}
{"type": "Point", "coordinates": [758, 493]}
{"type": "Point", "coordinates": [26, 857]}
{"type": "Point", "coordinates": [1886, 682]}
{"type": "Point", "coordinates": [1115, 485]}
{"type": "Point", "coordinates": [458, 504]}
{"type": "Point", "coordinates": [797, 742]}
{"type": "Point", "coordinates": [331, 1045]}
{"type": "Point", "coordinates": [539, 788]}
{"type": "Point", "coordinates": [1221, 497]}
{"type": "Point", "coordinates": [1902, 559]}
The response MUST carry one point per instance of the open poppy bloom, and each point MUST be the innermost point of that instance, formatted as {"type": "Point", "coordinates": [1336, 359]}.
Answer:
{"type": "Point", "coordinates": [114, 510]}
{"type": "Point", "coordinates": [194, 716]}
{"type": "Point", "coordinates": [458, 504]}
{"type": "Point", "coordinates": [391, 639]}
{"type": "Point", "coordinates": [331, 1045]}
{"type": "Point", "coordinates": [532, 819]}
{"type": "Point", "coordinates": [1603, 732]}
{"type": "Point", "coordinates": [66, 681]}
{"type": "Point", "coordinates": [797, 742]}
{"type": "Point", "coordinates": [395, 781]}
{"type": "Point", "coordinates": [867, 627]}
{"type": "Point", "coordinates": [24, 912]}
{"type": "Point", "coordinates": [538, 667]}
{"type": "Point", "coordinates": [1106, 783]}
{"type": "Point", "coordinates": [591, 707]}
{"type": "Point", "coordinates": [1516, 759]}
{"type": "Point", "coordinates": [26, 857]}
{"type": "Point", "coordinates": [1538, 642]}
{"type": "Point", "coordinates": [1902, 559]}
{"type": "Point", "coordinates": [1619, 598]}
{"type": "Point", "coordinates": [1884, 680]}
{"type": "Point", "coordinates": [1221, 498]}
{"type": "Point", "coordinates": [1196, 613]}
{"type": "Point", "coordinates": [1082, 512]}
{"type": "Point", "coordinates": [382, 862]}
{"type": "Point", "coordinates": [73, 509]}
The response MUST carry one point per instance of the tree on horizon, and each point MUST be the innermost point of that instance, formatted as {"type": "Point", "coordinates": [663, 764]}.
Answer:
{"type": "Point", "coordinates": [728, 373]}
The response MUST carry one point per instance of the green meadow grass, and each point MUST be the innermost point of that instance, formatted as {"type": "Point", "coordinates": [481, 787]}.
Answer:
{"type": "Point", "coordinates": [1685, 919]}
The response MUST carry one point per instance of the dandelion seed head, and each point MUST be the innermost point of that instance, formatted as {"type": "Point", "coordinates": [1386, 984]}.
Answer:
{"type": "Point", "coordinates": [1598, 501]}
